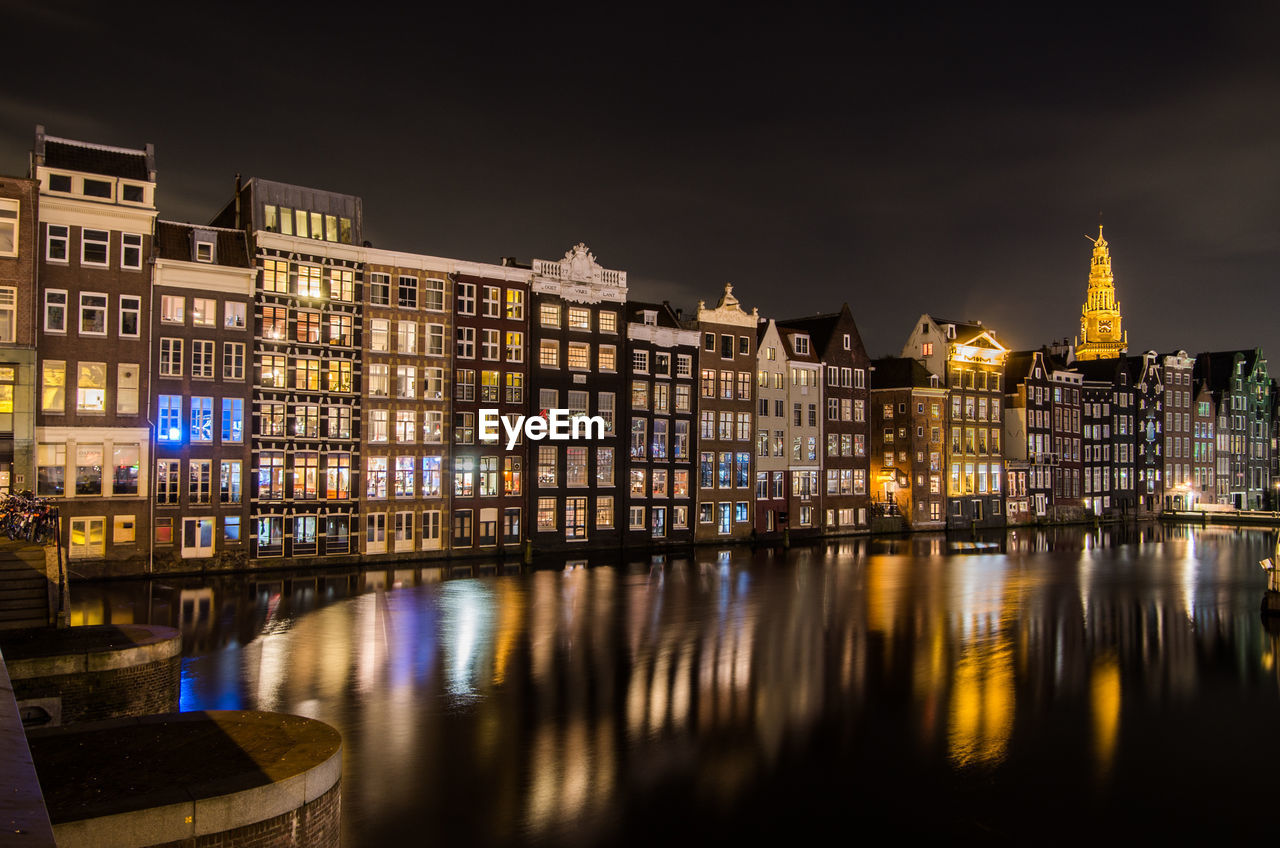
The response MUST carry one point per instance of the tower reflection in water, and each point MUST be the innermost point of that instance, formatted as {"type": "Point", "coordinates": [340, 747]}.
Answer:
{"type": "Point", "coordinates": [527, 707]}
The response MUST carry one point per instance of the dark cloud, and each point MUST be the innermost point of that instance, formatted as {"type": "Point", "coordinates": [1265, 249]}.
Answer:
{"type": "Point", "coordinates": [899, 160]}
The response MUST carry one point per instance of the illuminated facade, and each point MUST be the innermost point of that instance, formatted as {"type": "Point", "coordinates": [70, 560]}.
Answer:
{"type": "Point", "coordinates": [577, 327]}
{"type": "Point", "coordinates": [1101, 334]}
{"type": "Point", "coordinates": [908, 423]}
{"type": "Point", "coordinates": [1177, 431]}
{"type": "Point", "coordinates": [97, 217]}
{"type": "Point", "coordinates": [845, 433]}
{"type": "Point", "coordinates": [971, 361]}
{"type": "Point", "coordinates": [726, 366]}
{"type": "Point", "coordinates": [19, 247]}
{"type": "Point", "coordinates": [307, 367]}
{"type": "Point", "coordinates": [660, 418]}
{"type": "Point", "coordinates": [491, 363]}
{"type": "Point", "coordinates": [202, 353]}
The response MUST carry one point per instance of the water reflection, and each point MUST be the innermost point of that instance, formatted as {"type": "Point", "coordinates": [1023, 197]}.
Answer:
{"type": "Point", "coordinates": [613, 704]}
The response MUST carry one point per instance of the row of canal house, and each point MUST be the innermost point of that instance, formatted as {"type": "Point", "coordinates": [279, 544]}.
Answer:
{"type": "Point", "coordinates": [270, 386]}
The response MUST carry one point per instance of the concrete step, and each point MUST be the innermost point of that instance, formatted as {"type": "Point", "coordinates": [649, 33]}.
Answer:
{"type": "Point", "coordinates": [33, 600]}
{"type": "Point", "coordinates": [13, 588]}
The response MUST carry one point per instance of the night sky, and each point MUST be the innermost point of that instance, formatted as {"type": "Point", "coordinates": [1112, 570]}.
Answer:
{"type": "Point", "coordinates": [900, 160]}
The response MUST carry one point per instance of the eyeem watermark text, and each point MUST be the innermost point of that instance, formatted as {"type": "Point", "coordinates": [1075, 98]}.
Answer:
{"type": "Point", "coordinates": [558, 425]}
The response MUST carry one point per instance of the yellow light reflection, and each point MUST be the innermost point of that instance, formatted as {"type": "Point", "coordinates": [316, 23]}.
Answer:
{"type": "Point", "coordinates": [1104, 698]}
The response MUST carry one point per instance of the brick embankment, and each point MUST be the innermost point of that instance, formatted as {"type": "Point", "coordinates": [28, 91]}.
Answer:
{"type": "Point", "coordinates": [218, 778]}
{"type": "Point", "coordinates": [100, 672]}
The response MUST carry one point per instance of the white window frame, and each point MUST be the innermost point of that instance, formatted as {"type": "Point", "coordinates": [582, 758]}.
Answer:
{"type": "Point", "coordinates": [235, 315]}
{"type": "Point", "coordinates": [105, 306]}
{"type": "Point", "coordinates": [203, 356]}
{"type": "Point", "coordinates": [47, 328]}
{"type": "Point", "coordinates": [236, 371]}
{"type": "Point", "coordinates": [174, 368]}
{"type": "Point", "coordinates": [10, 216]}
{"type": "Point", "coordinates": [167, 302]}
{"type": "Point", "coordinates": [63, 237]}
{"type": "Point", "coordinates": [136, 310]}
{"type": "Point", "coordinates": [85, 241]}
{"type": "Point", "coordinates": [8, 313]}
{"type": "Point", "coordinates": [125, 246]}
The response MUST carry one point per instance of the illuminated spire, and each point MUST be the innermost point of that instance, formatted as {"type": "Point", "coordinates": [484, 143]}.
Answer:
{"type": "Point", "coordinates": [1101, 335]}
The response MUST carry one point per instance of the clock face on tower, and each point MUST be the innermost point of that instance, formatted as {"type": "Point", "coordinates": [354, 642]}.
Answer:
{"type": "Point", "coordinates": [1104, 325]}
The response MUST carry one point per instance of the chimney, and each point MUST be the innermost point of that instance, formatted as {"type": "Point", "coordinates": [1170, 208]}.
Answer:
{"type": "Point", "coordinates": [239, 223]}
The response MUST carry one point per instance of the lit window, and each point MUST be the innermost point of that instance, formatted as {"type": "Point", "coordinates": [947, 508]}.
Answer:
{"type": "Point", "coordinates": [169, 423]}
{"type": "Point", "coordinates": [91, 387]}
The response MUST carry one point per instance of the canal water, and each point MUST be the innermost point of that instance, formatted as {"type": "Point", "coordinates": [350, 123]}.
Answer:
{"type": "Point", "coordinates": [1051, 685]}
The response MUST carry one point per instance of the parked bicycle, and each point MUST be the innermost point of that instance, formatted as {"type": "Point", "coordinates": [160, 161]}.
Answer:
{"type": "Point", "coordinates": [27, 517]}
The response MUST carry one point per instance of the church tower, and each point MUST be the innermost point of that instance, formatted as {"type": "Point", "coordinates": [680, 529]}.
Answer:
{"type": "Point", "coordinates": [1101, 336]}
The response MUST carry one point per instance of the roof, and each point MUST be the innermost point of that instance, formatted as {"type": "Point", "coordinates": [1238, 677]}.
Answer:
{"type": "Point", "coordinates": [666, 315]}
{"type": "Point", "coordinates": [173, 241]}
{"type": "Point", "coordinates": [95, 158]}
{"type": "Point", "coordinates": [1017, 366]}
{"type": "Point", "coordinates": [822, 330]}
{"type": "Point", "coordinates": [1215, 367]}
{"type": "Point", "coordinates": [963, 327]}
{"type": "Point", "coordinates": [900, 372]}
{"type": "Point", "coordinates": [1100, 370]}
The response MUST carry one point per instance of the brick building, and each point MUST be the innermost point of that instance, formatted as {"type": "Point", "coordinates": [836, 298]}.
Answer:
{"type": "Point", "coordinates": [307, 374]}
{"type": "Point", "coordinates": [1178, 431]}
{"type": "Point", "coordinates": [660, 421]}
{"type": "Point", "coordinates": [843, 442]}
{"type": "Point", "coordinates": [97, 216]}
{"type": "Point", "coordinates": [577, 331]}
{"type": "Point", "coordinates": [726, 369]}
{"type": "Point", "coordinates": [407, 308]}
{"type": "Point", "coordinates": [971, 361]}
{"type": "Point", "coordinates": [491, 370]}
{"type": "Point", "coordinates": [19, 247]}
{"type": "Point", "coordinates": [201, 353]}
{"type": "Point", "coordinates": [908, 426]}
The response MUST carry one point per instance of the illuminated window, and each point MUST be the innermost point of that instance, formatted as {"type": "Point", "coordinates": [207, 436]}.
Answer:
{"type": "Point", "coordinates": [379, 335]}
{"type": "Point", "coordinates": [91, 387]}
{"type": "Point", "coordinates": [515, 304]}
{"type": "Point", "coordinates": [433, 295]}
{"type": "Point", "coordinates": [169, 426]}
{"type": "Point", "coordinates": [201, 419]}
{"type": "Point", "coordinates": [8, 227]}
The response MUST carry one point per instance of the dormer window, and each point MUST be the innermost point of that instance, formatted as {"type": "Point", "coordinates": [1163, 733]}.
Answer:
{"type": "Point", "coordinates": [651, 317]}
{"type": "Point", "coordinates": [204, 246]}
{"type": "Point", "coordinates": [802, 345]}
{"type": "Point", "coordinates": [951, 331]}
{"type": "Point", "coordinates": [97, 188]}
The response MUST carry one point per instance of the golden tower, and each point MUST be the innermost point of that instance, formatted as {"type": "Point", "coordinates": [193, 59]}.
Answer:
{"type": "Point", "coordinates": [1101, 336]}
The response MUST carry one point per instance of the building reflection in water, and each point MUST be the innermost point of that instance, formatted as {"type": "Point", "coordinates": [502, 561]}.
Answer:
{"type": "Point", "coordinates": [530, 706]}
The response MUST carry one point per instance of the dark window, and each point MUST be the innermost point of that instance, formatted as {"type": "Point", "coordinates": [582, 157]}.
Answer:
{"type": "Point", "coordinates": [132, 193]}
{"type": "Point", "coordinates": [726, 347]}
{"type": "Point", "coordinates": [97, 188]}
{"type": "Point", "coordinates": [709, 341]}
{"type": "Point", "coordinates": [59, 182]}
{"type": "Point", "coordinates": [744, 345]}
